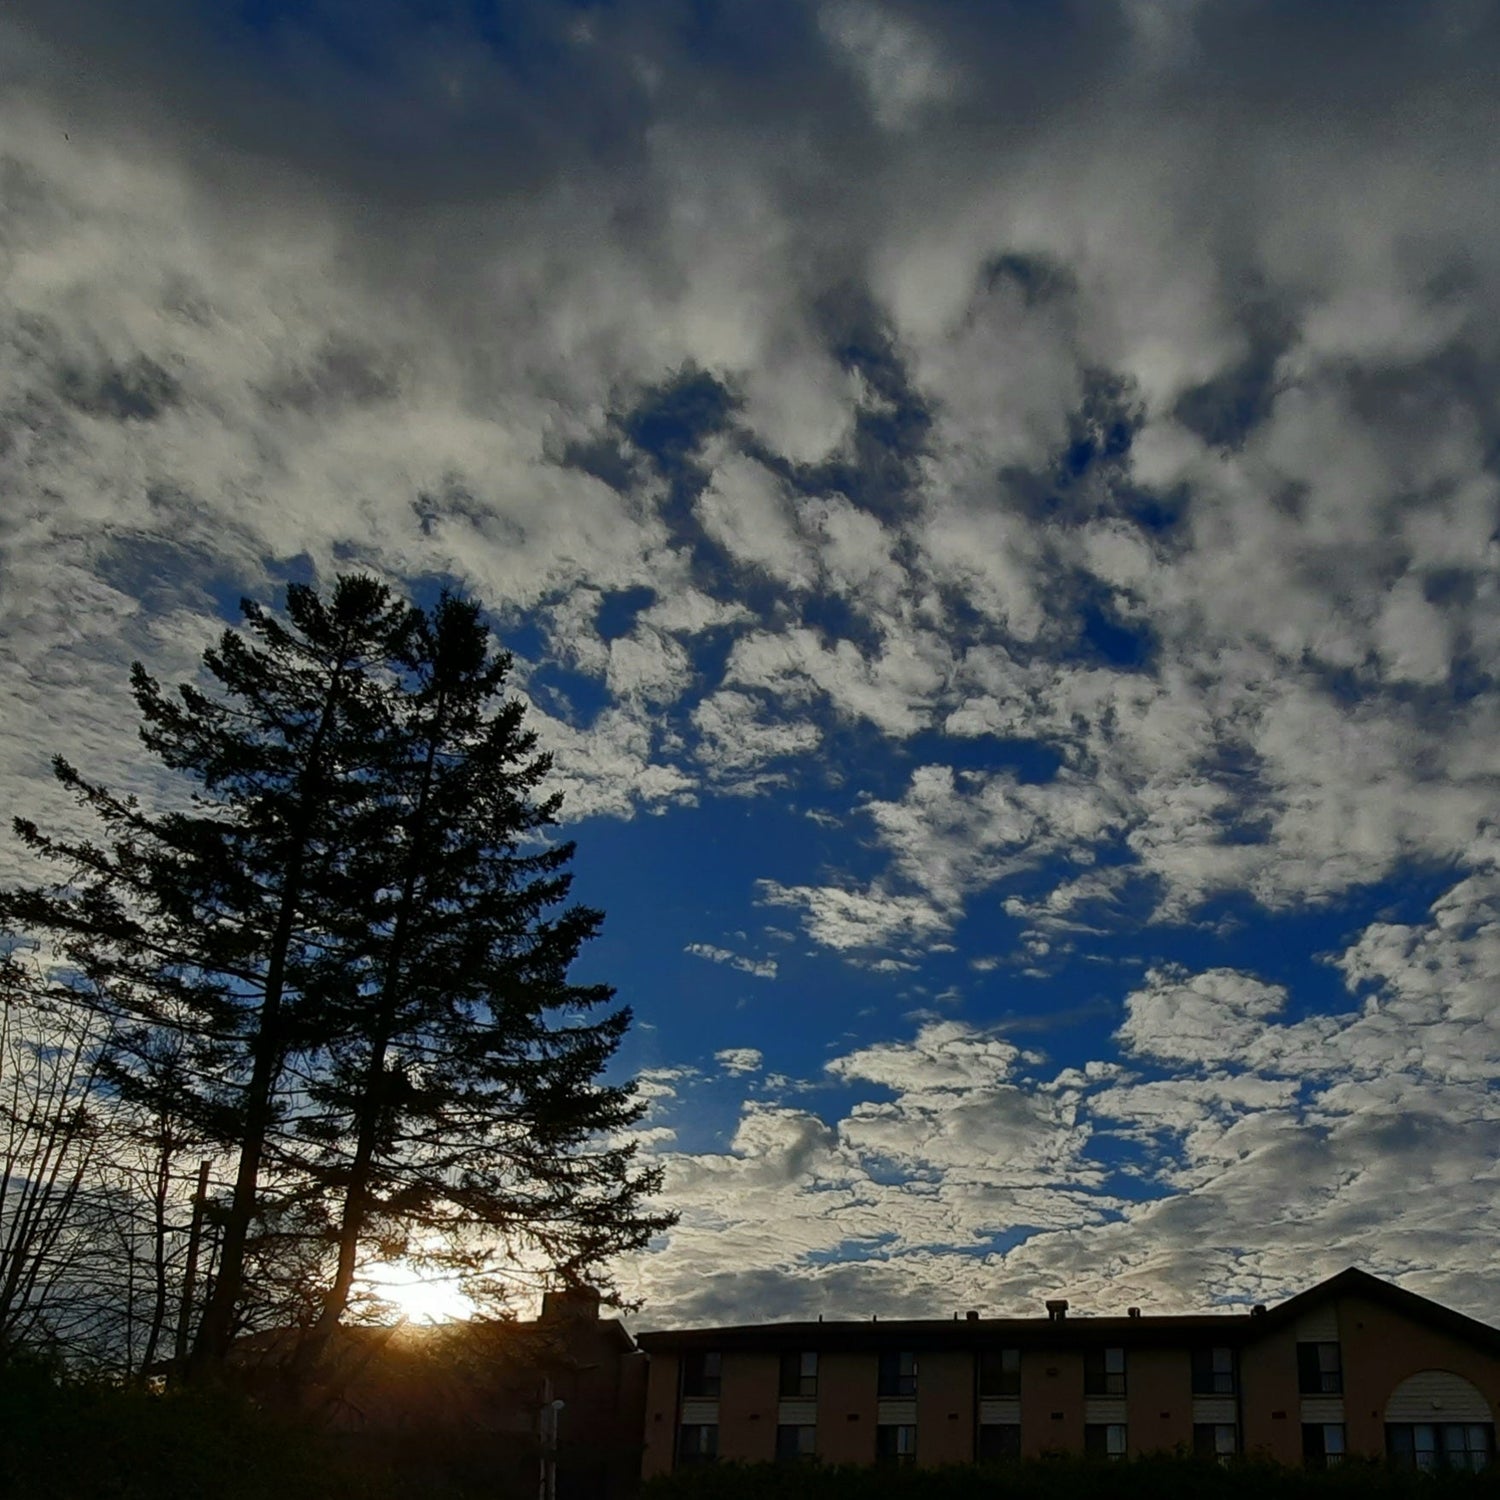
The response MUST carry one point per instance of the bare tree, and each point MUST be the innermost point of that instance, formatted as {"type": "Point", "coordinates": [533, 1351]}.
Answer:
{"type": "Point", "coordinates": [50, 1059]}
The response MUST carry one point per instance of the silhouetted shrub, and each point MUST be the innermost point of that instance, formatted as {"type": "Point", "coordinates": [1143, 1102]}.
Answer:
{"type": "Point", "coordinates": [1067, 1479]}
{"type": "Point", "coordinates": [69, 1439]}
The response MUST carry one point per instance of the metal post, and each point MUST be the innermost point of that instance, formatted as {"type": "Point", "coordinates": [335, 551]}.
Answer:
{"type": "Point", "coordinates": [547, 1424]}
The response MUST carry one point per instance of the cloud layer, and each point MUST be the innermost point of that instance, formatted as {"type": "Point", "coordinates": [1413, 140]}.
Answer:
{"type": "Point", "coordinates": [1056, 452]}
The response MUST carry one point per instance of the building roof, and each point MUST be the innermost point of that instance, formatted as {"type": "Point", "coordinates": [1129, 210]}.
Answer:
{"type": "Point", "coordinates": [1143, 1331]}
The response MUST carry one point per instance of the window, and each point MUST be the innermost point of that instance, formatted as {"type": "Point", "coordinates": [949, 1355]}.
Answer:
{"type": "Point", "coordinates": [1216, 1440]}
{"type": "Point", "coordinates": [895, 1445]}
{"type": "Point", "coordinates": [999, 1441]}
{"type": "Point", "coordinates": [1000, 1373]}
{"type": "Point", "coordinates": [1322, 1444]}
{"type": "Point", "coordinates": [898, 1374]}
{"type": "Point", "coordinates": [697, 1443]}
{"type": "Point", "coordinates": [1319, 1370]}
{"type": "Point", "coordinates": [700, 1376]}
{"type": "Point", "coordinates": [1104, 1439]}
{"type": "Point", "coordinates": [799, 1375]}
{"type": "Point", "coordinates": [1213, 1372]}
{"type": "Point", "coordinates": [1439, 1445]}
{"type": "Point", "coordinates": [1104, 1372]}
{"type": "Point", "coordinates": [795, 1442]}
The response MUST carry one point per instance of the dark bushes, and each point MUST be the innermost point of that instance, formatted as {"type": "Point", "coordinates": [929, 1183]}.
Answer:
{"type": "Point", "coordinates": [1068, 1479]}
{"type": "Point", "coordinates": [70, 1439]}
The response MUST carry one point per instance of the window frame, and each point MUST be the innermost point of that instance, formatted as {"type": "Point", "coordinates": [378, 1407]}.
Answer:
{"type": "Point", "coordinates": [999, 1374]}
{"type": "Point", "coordinates": [1098, 1378]}
{"type": "Point", "coordinates": [903, 1451]}
{"type": "Point", "coordinates": [707, 1452]}
{"type": "Point", "coordinates": [1317, 1373]}
{"type": "Point", "coordinates": [1442, 1452]}
{"type": "Point", "coordinates": [702, 1375]}
{"type": "Point", "coordinates": [1319, 1454]}
{"type": "Point", "coordinates": [1208, 1378]}
{"type": "Point", "coordinates": [793, 1452]}
{"type": "Point", "coordinates": [901, 1385]}
{"type": "Point", "coordinates": [1009, 1446]}
{"type": "Point", "coordinates": [1108, 1440]}
{"type": "Point", "coordinates": [794, 1381]}
{"type": "Point", "coordinates": [1207, 1441]}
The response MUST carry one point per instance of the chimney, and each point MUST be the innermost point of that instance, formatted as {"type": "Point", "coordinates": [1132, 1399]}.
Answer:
{"type": "Point", "coordinates": [971, 1316]}
{"type": "Point", "coordinates": [1132, 1312]}
{"type": "Point", "coordinates": [1057, 1308]}
{"type": "Point", "coordinates": [1259, 1310]}
{"type": "Point", "coordinates": [579, 1303]}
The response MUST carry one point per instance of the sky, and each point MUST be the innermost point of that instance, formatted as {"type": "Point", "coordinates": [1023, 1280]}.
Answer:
{"type": "Point", "coordinates": [995, 512]}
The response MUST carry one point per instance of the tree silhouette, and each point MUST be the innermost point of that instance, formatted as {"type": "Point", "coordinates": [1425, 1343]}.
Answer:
{"type": "Point", "coordinates": [351, 944]}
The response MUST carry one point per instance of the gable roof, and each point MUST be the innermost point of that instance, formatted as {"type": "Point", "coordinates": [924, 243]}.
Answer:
{"type": "Point", "coordinates": [1072, 1332]}
{"type": "Point", "coordinates": [1352, 1282]}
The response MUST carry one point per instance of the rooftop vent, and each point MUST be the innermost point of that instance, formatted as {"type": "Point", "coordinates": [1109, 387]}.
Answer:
{"type": "Point", "coordinates": [1133, 1312]}
{"type": "Point", "coordinates": [1057, 1308]}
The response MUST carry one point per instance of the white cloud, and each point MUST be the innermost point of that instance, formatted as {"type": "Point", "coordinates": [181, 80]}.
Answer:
{"type": "Point", "coordinates": [853, 919]}
{"type": "Point", "coordinates": [1273, 1152]}
{"type": "Point", "coordinates": [740, 1060]}
{"type": "Point", "coordinates": [761, 968]}
{"type": "Point", "coordinates": [900, 68]}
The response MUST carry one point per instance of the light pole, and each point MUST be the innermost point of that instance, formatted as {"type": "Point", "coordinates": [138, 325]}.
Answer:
{"type": "Point", "coordinates": [547, 1423]}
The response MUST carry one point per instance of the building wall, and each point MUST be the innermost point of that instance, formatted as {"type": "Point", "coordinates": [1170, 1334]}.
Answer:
{"type": "Point", "coordinates": [661, 1415]}
{"type": "Point", "coordinates": [1051, 1402]}
{"type": "Point", "coordinates": [1270, 1407]}
{"type": "Point", "coordinates": [846, 1408]}
{"type": "Point", "coordinates": [747, 1408]}
{"type": "Point", "coordinates": [1381, 1348]}
{"type": "Point", "coordinates": [945, 1407]}
{"type": "Point", "coordinates": [1159, 1390]}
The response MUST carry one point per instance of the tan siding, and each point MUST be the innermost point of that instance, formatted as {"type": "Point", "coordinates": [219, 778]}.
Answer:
{"type": "Point", "coordinates": [1437, 1396]}
{"type": "Point", "coordinates": [1000, 1410]}
{"type": "Point", "coordinates": [1321, 1409]}
{"type": "Point", "coordinates": [1215, 1409]}
{"type": "Point", "coordinates": [1319, 1326]}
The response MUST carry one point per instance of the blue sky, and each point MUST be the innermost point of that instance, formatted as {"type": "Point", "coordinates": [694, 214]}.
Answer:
{"type": "Point", "coordinates": [995, 510]}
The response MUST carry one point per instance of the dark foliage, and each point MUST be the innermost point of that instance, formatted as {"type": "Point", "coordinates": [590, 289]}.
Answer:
{"type": "Point", "coordinates": [1164, 1478]}
{"type": "Point", "coordinates": [64, 1439]}
{"type": "Point", "coordinates": [340, 964]}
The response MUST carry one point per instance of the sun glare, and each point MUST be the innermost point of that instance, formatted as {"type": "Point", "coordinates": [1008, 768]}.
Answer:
{"type": "Point", "coordinates": [419, 1296]}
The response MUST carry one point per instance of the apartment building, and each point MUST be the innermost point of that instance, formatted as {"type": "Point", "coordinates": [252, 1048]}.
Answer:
{"type": "Point", "coordinates": [1353, 1365]}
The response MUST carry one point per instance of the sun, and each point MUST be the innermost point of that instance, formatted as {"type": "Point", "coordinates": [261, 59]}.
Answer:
{"type": "Point", "coordinates": [419, 1296]}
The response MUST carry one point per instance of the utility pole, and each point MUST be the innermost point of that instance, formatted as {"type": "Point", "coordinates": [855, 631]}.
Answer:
{"type": "Point", "coordinates": [547, 1424]}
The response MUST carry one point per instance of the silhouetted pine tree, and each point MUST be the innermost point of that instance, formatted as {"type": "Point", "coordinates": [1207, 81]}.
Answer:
{"type": "Point", "coordinates": [214, 920]}
{"type": "Point", "coordinates": [460, 1113]}
{"type": "Point", "coordinates": [357, 935]}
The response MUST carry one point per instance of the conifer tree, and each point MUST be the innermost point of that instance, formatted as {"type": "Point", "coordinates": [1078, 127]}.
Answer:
{"type": "Point", "coordinates": [460, 1113]}
{"type": "Point", "coordinates": [213, 919]}
{"type": "Point", "coordinates": [355, 933]}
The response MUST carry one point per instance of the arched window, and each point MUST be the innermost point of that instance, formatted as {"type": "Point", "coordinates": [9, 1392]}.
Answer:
{"type": "Point", "coordinates": [1438, 1420]}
